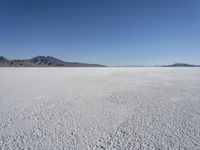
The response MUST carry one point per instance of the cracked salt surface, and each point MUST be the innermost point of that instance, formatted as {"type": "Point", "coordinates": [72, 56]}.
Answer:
{"type": "Point", "coordinates": [100, 108]}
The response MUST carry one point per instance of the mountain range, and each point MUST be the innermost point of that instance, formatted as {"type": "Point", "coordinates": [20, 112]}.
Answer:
{"type": "Point", "coordinates": [173, 65]}
{"type": "Point", "coordinates": [181, 65]}
{"type": "Point", "coordinates": [43, 61]}
{"type": "Point", "coordinates": [49, 61]}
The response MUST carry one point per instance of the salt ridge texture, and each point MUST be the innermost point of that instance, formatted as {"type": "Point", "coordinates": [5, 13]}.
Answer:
{"type": "Point", "coordinates": [100, 108]}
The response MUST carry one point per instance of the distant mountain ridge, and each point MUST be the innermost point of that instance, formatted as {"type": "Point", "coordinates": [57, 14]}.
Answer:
{"type": "Point", "coordinates": [181, 65]}
{"type": "Point", "coordinates": [49, 61]}
{"type": "Point", "coordinates": [173, 65]}
{"type": "Point", "coordinates": [43, 61]}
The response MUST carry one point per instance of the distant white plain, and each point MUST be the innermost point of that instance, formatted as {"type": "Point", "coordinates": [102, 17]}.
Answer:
{"type": "Point", "coordinates": [100, 108]}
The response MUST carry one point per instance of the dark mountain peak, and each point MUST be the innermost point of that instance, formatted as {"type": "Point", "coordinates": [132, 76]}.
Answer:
{"type": "Point", "coordinates": [43, 61]}
{"type": "Point", "coordinates": [181, 65]}
{"type": "Point", "coordinates": [47, 60]}
{"type": "Point", "coordinates": [38, 58]}
{"type": "Point", "coordinates": [4, 61]}
{"type": "Point", "coordinates": [3, 58]}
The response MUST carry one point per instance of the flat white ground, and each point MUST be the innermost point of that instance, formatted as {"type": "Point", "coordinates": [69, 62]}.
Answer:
{"type": "Point", "coordinates": [100, 108]}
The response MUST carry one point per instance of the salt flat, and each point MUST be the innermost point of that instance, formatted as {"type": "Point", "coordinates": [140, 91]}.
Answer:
{"type": "Point", "coordinates": [100, 108]}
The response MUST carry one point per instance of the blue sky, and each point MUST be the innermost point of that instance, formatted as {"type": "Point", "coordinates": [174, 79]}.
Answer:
{"type": "Point", "coordinates": [112, 32]}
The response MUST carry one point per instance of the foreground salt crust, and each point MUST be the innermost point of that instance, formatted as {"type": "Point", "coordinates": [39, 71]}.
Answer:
{"type": "Point", "coordinates": [99, 108]}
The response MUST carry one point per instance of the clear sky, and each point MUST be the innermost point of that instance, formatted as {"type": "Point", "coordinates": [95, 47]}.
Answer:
{"type": "Point", "coordinates": [112, 32]}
